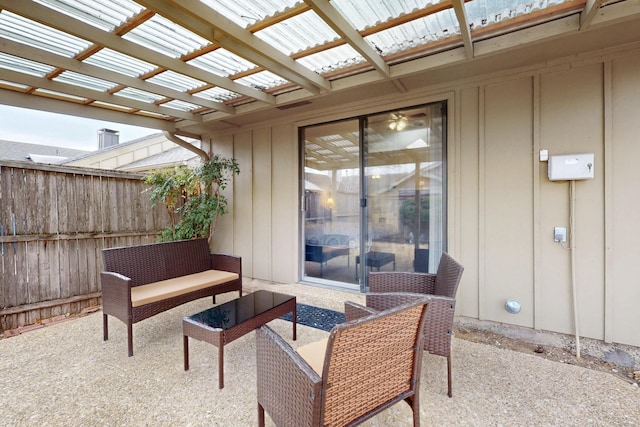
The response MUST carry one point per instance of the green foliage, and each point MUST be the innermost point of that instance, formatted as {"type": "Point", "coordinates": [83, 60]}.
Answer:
{"type": "Point", "coordinates": [193, 196]}
{"type": "Point", "coordinates": [408, 213]}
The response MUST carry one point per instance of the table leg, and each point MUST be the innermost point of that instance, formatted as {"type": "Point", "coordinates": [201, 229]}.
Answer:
{"type": "Point", "coordinates": [293, 320]}
{"type": "Point", "coordinates": [186, 352]}
{"type": "Point", "coordinates": [221, 362]}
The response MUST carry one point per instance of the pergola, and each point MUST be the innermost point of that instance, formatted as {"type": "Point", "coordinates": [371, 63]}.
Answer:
{"type": "Point", "coordinates": [191, 67]}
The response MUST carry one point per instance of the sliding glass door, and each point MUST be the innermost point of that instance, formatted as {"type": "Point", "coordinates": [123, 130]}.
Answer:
{"type": "Point", "coordinates": [374, 195]}
{"type": "Point", "coordinates": [331, 202]}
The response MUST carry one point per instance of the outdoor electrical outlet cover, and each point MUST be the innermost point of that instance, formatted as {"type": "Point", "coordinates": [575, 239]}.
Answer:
{"type": "Point", "coordinates": [560, 234]}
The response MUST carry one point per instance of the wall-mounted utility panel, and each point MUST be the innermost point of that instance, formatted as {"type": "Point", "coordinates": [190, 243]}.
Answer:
{"type": "Point", "coordinates": [571, 167]}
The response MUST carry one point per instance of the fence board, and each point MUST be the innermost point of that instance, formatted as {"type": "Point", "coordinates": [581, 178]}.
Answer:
{"type": "Point", "coordinates": [64, 218]}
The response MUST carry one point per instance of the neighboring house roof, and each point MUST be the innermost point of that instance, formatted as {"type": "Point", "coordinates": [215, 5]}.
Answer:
{"type": "Point", "coordinates": [23, 151]}
{"type": "Point", "coordinates": [172, 157]}
{"type": "Point", "coordinates": [138, 155]}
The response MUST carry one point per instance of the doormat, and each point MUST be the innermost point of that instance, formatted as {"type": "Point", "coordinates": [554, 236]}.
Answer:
{"type": "Point", "coordinates": [316, 317]}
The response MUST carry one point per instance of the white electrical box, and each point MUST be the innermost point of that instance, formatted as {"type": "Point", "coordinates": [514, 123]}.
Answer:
{"type": "Point", "coordinates": [571, 167]}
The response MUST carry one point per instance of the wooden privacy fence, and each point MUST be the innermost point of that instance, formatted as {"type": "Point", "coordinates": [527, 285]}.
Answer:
{"type": "Point", "coordinates": [54, 222]}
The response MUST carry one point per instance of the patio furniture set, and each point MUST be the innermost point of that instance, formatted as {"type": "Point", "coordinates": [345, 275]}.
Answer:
{"type": "Point", "coordinates": [366, 364]}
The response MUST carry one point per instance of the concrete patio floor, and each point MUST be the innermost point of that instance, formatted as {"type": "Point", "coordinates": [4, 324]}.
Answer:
{"type": "Point", "coordinates": [65, 374]}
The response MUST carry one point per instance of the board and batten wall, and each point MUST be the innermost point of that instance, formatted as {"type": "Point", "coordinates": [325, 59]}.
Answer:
{"type": "Point", "coordinates": [502, 208]}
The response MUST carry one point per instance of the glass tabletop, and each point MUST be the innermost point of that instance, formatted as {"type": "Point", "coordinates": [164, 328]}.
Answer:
{"type": "Point", "coordinates": [234, 312]}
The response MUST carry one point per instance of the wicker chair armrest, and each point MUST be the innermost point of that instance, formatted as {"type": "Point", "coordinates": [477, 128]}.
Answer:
{"type": "Point", "coordinates": [438, 327]}
{"type": "Point", "coordinates": [396, 281]}
{"type": "Point", "coordinates": [387, 300]}
{"type": "Point", "coordinates": [116, 294]}
{"type": "Point", "coordinates": [287, 387]}
{"type": "Point", "coordinates": [226, 262]}
{"type": "Point", "coordinates": [353, 311]}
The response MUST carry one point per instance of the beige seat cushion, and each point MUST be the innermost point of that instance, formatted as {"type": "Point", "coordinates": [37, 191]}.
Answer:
{"type": "Point", "coordinates": [158, 291]}
{"type": "Point", "coordinates": [313, 353]}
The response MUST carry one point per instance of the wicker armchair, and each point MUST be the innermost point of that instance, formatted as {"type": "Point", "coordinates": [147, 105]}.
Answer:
{"type": "Point", "coordinates": [364, 367]}
{"type": "Point", "coordinates": [441, 288]}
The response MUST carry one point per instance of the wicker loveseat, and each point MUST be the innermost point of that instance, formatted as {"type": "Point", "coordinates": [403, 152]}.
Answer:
{"type": "Point", "coordinates": [141, 281]}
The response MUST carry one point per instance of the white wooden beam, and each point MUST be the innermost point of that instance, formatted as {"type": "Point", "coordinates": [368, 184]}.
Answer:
{"type": "Point", "coordinates": [589, 12]}
{"type": "Point", "coordinates": [614, 13]}
{"type": "Point", "coordinates": [85, 31]}
{"type": "Point", "coordinates": [40, 103]}
{"type": "Point", "coordinates": [90, 94]}
{"type": "Point", "coordinates": [229, 35]}
{"type": "Point", "coordinates": [341, 26]}
{"type": "Point", "coordinates": [44, 57]}
{"type": "Point", "coordinates": [465, 31]}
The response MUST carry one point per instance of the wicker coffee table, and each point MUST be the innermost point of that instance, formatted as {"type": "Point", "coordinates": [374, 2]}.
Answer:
{"type": "Point", "coordinates": [226, 322]}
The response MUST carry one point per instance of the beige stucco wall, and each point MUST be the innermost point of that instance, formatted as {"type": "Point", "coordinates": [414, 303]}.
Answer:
{"type": "Point", "coordinates": [502, 207]}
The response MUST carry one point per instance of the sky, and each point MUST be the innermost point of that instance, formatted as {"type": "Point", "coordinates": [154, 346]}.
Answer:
{"type": "Point", "coordinates": [39, 127]}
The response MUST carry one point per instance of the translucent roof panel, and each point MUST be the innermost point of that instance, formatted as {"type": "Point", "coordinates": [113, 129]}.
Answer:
{"type": "Point", "coordinates": [262, 80]}
{"type": "Point", "coordinates": [332, 59]}
{"type": "Point", "coordinates": [245, 13]}
{"type": "Point", "coordinates": [222, 62]}
{"type": "Point", "coordinates": [110, 106]}
{"type": "Point", "coordinates": [363, 14]}
{"type": "Point", "coordinates": [23, 30]}
{"type": "Point", "coordinates": [165, 37]}
{"type": "Point", "coordinates": [13, 85]}
{"type": "Point", "coordinates": [180, 105]}
{"type": "Point", "coordinates": [54, 94]}
{"type": "Point", "coordinates": [104, 14]}
{"type": "Point", "coordinates": [430, 28]}
{"type": "Point", "coordinates": [217, 94]}
{"type": "Point", "coordinates": [120, 63]}
{"type": "Point", "coordinates": [33, 51]}
{"type": "Point", "coordinates": [488, 12]}
{"type": "Point", "coordinates": [139, 95]}
{"type": "Point", "coordinates": [13, 63]}
{"type": "Point", "coordinates": [86, 82]}
{"type": "Point", "coordinates": [177, 81]}
{"type": "Point", "coordinates": [298, 33]}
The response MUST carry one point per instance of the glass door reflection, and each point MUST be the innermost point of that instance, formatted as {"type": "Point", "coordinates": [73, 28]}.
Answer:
{"type": "Point", "coordinates": [403, 179]}
{"type": "Point", "coordinates": [374, 195]}
{"type": "Point", "coordinates": [331, 202]}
